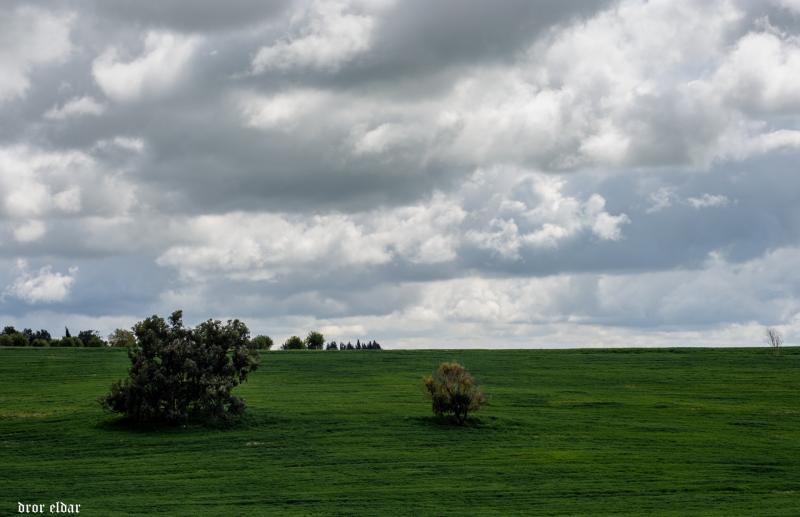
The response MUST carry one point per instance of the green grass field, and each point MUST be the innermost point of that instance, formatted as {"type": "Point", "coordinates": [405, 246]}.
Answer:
{"type": "Point", "coordinates": [581, 432]}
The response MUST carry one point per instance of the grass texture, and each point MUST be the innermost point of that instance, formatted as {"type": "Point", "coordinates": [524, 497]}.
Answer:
{"type": "Point", "coordinates": [567, 432]}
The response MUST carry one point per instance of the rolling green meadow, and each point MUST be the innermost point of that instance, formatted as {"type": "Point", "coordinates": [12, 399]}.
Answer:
{"type": "Point", "coordinates": [566, 432]}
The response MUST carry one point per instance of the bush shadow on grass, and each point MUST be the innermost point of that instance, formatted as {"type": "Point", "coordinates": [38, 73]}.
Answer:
{"type": "Point", "coordinates": [123, 424]}
{"type": "Point", "coordinates": [249, 420]}
{"type": "Point", "coordinates": [445, 422]}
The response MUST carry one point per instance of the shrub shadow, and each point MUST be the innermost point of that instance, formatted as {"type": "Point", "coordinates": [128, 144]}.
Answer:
{"type": "Point", "coordinates": [444, 422]}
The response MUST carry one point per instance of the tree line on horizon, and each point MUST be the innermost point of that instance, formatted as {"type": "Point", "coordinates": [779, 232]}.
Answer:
{"type": "Point", "coordinates": [122, 338]}
{"type": "Point", "coordinates": [314, 341]}
{"type": "Point", "coordinates": [10, 336]}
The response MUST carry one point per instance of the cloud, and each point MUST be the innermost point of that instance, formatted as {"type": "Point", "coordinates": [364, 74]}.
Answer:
{"type": "Point", "coordinates": [793, 5]}
{"type": "Point", "coordinates": [761, 73]}
{"type": "Point", "coordinates": [30, 38]}
{"type": "Point", "coordinates": [708, 201]}
{"type": "Point", "coordinates": [661, 199]}
{"type": "Point", "coordinates": [157, 70]}
{"type": "Point", "coordinates": [76, 107]}
{"type": "Point", "coordinates": [44, 286]}
{"type": "Point", "coordinates": [29, 231]}
{"type": "Point", "coordinates": [281, 111]}
{"type": "Point", "coordinates": [534, 212]}
{"type": "Point", "coordinates": [326, 34]}
{"type": "Point", "coordinates": [526, 173]}
{"type": "Point", "coordinates": [36, 183]}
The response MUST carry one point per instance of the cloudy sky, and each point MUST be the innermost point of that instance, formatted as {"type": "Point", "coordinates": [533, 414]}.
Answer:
{"type": "Point", "coordinates": [450, 173]}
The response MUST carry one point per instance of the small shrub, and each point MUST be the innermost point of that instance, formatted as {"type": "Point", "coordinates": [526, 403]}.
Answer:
{"type": "Point", "coordinates": [454, 392]}
{"type": "Point", "coordinates": [774, 340]}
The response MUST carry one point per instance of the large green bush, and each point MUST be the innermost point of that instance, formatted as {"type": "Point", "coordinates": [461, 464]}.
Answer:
{"type": "Point", "coordinates": [179, 373]}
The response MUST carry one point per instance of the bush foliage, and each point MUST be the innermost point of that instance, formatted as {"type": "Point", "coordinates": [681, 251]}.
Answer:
{"type": "Point", "coordinates": [261, 342]}
{"type": "Point", "coordinates": [180, 373]}
{"type": "Point", "coordinates": [454, 392]}
{"type": "Point", "coordinates": [315, 340]}
{"type": "Point", "coordinates": [294, 343]}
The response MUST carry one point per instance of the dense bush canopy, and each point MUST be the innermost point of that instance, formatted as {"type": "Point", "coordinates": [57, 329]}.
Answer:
{"type": "Point", "coordinates": [179, 373]}
{"type": "Point", "coordinates": [122, 338]}
{"type": "Point", "coordinates": [453, 391]}
{"type": "Point", "coordinates": [294, 343]}
{"type": "Point", "coordinates": [315, 340]}
{"type": "Point", "coordinates": [261, 342]}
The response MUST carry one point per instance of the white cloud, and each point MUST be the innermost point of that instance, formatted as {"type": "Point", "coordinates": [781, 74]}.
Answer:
{"type": "Point", "coordinates": [261, 246]}
{"type": "Point", "coordinates": [661, 199]}
{"type": "Point", "coordinates": [793, 5]}
{"type": "Point", "coordinates": [708, 201]}
{"type": "Point", "coordinates": [280, 111]}
{"type": "Point", "coordinates": [762, 73]}
{"type": "Point", "coordinates": [379, 139]}
{"type": "Point", "coordinates": [158, 69]}
{"type": "Point", "coordinates": [326, 35]}
{"type": "Point", "coordinates": [29, 231]}
{"type": "Point", "coordinates": [76, 107]}
{"type": "Point", "coordinates": [69, 200]}
{"type": "Point", "coordinates": [44, 286]}
{"type": "Point", "coordinates": [36, 184]}
{"type": "Point", "coordinates": [128, 143]}
{"type": "Point", "coordinates": [258, 247]}
{"type": "Point", "coordinates": [524, 210]}
{"type": "Point", "coordinates": [30, 37]}
{"type": "Point", "coordinates": [534, 212]}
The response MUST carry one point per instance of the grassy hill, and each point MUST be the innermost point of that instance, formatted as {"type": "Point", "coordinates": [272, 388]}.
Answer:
{"type": "Point", "coordinates": [581, 432]}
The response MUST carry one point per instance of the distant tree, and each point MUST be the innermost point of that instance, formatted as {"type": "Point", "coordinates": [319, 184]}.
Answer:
{"type": "Point", "coordinates": [66, 332]}
{"type": "Point", "coordinates": [67, 342]}
{"type": "Point", "coordinates": [332, 346]}
{"type": "Point", "coordinates": [349, 346]}
{"type": "Point", "coordinates": [122, 338]}
{"type": "Point", "coordinates": [73, 341]}
{"type": "Point", "coordinates": [91, 338]}
{"type": "Point", "coordinates": [453, 391]}
{"type": "Point", "coordinates": [179, 373]}
{"type": "Point", "coordinates": [28, 333]}
{"type": "Point", "coordinates": [315, 340]}
{"type": "Point", "coordinates": [5, 340]}
{"type": "Point", "coordinates": [7, 331]}
{"type": "Point", "coordinates": [261, 342]}
{"type": "Point", "coordinates": [376, 345]}
{"type": "Point", "coordinates": [40, 342]}
{"type": "Point", "coordinates": [42, 334]}
{"type": "Point", "coordinates": [774, 340]}
{"type": "Point", "coordinates": [17, 339]}
{"type": "Point", "coordinates": [294, 343]}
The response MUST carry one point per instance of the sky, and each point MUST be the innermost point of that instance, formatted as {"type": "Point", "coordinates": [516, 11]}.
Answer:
{"type": "Point", "coordinates": [457, 173]}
